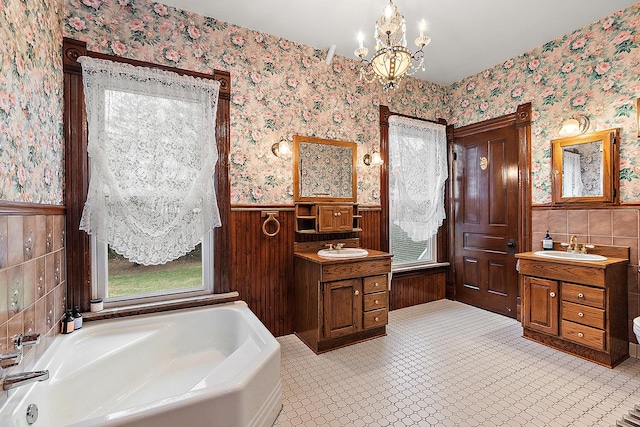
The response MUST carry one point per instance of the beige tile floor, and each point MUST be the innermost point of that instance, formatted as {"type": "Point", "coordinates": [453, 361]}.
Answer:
{"type": "Point", "coordinates": [449, 364]}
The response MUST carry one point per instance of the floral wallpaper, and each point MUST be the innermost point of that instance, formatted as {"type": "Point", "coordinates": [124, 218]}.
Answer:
{"type": "Point", "coordinates": [279, 88]}
{"type": "Point", "coordinates": [592, 71]}
{"type": "Point", "coordinates": [31, 160]}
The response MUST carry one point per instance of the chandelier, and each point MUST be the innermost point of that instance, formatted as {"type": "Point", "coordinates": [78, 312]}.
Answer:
{"type": "Point", "coordinates": [392, 60]}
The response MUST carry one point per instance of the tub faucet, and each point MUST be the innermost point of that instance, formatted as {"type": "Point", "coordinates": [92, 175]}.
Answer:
{"type": "Point", "coordinates": [14, 358]}
{"type": "Point", "coordinates": [23, 378]}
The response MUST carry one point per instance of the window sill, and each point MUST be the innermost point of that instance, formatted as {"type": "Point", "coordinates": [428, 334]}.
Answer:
{"type": "Point", "coordinates": [156, 307]}
{"type": "Point", "coordinates": [413, 268]}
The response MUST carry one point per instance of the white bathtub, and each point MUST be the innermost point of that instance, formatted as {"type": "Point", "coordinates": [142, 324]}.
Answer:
{"type": "Point", "coordinates": [213, 366]}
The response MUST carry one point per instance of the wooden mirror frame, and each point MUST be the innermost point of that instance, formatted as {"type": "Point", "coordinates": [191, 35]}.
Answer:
{"type": "Point", "coordinates": [297, 196]}
{"type": "Point", "coordinates": [610, 168]}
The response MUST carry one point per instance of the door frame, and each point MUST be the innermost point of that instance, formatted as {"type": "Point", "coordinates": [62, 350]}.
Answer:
{"type": "Point", "coordinates": [521, 120]}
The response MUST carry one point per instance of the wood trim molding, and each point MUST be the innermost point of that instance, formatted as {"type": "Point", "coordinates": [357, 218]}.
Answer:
{"type": "Point", "coordinates": [22, 208]}
{"type": "Point", "coordinates": [73, 49]}
{"type": "Point", "coordinates": [77, 172]}
{"type": "Point", "coordinates": [385, 113]}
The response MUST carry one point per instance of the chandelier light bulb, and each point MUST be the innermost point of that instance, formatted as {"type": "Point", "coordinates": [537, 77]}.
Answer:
{"type": "Point", "coordinates": [361, 39]}
{"type": "Point", "coordinates": [423, 26]}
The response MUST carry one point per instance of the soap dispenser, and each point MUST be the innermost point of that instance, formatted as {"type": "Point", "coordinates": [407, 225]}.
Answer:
{"type": "Point", "coordinates": [547, 242]}
{"type": "Point", "coordinates": [67, 323]}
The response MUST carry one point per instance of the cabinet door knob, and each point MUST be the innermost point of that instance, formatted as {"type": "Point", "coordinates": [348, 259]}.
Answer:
{"type": "Point", "coordinates": [581, 295]}
{"type": "Point", "coordinates": [376, 318]}
{"type": "Point", "coordinates": [376, 284]}
{"type": "Point", "coordinates": [377, 301]}
{"type": "Point", "coordinates": [580, 334]}
{"type": "Point", "coordinates": [580, 314]}
{"type": "Point", "coordinates": [552, 294]}
{"type": "Point", "coordinates": [339, 214]}
{"type": "Point", "coordinates": [356, 292]}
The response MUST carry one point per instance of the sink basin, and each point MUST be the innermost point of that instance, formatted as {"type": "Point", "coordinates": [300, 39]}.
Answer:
{"type": "Point", "coordinates": [343, 253]}
{"type": "Point", "coordinates": [571, 256]}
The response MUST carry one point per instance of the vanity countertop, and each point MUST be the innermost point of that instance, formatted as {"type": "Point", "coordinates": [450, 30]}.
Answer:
{"type": "Point", "coordinates": [314, 257]}
{"type": "Point", "coordinates": [597, 264]}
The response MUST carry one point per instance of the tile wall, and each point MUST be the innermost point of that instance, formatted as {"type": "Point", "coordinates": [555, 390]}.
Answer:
{"type": "Point", "coordinates": [598, 226]}
{"type": "Point", "coordinates": [32, 279]}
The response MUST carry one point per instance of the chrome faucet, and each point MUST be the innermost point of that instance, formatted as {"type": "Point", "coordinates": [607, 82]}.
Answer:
{"type": "Point", "coordinates": [14, 358]}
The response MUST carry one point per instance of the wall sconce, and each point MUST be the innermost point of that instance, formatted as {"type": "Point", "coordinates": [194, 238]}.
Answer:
{"type": "Point", "coordinates": [372, 159]}
{"type": "Point", "coordinates": [281, 149]}
{"type": "Point", "coordinates": [576, 125]}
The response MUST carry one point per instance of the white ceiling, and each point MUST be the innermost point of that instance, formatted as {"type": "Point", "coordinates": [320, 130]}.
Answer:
{"type": "Point", "coordinates": [467, 36]}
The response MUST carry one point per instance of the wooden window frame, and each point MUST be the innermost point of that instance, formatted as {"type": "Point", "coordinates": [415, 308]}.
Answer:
{"type": "Point", "coordinates": [79, 264]}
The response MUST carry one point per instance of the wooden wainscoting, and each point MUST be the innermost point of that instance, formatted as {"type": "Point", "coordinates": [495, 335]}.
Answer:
{"type": "Point", "coordinates": [417, 287]}
{"type": "Point", "coordinates": [262, 266]}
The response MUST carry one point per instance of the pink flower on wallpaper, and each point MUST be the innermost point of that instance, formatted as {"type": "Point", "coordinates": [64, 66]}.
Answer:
{"type": "Point", "coordinates": [237, 40]}
{"type": "Point", "coordinates": [578, 43]}
{"type": "Point", "coordinates": [471, 86]}
{"type": "Point", "coordinates": [228, 59]}
{"type": "Point", "coordinates": [607, 84]}
{"type": "Point", "coordinates": [5, 105]}
{"type": "Point", "coordinates": [534, 64]}
{"type": "Point", "coordinates": [548, 91]}
{"type": "Point", "coordinates": [285, 99]}
{"type": "Point", "coordinates": [194, 32]}
{"type": "Point", "coordinates": [256, 135]}
{"type": "Point", "coordinates": [337, 118]}
{"type": "Point", "coordinates": [306, 62]}
{"type": "Point", "coordinates": [19, 64]}
{"type": "Point", "coordinates": [464, 103]}
{"type": "Point", "coordinates": [92, 3]}
{"type": "Point", "coordinates": [165, 26]}
{"type": "Point", "coordinates": [172, 55]}
{"type": "Point", "coordinates": [568, 67]}
{"type": "Point", "coordinates": [622, 100]}
{"type": "Point", "coordinates": [608, 23]}
{"type": "Point", "coordinates": [22, 175]}
{"type": "Point", "coordinates": [579, 101]}
{"type": "Point", "coordinates": [239, 159]}
{"type": "Point", "coordinates": [77, 23]}
{"type": "Point", "coordinates": [622, 37]}
{"type": "Point", "coordinates": [256, 192]}
{"type": "Point", "coordinates": [256, 78]}
{"type": "Point", "coordinates": [517, 92]}
{"type": "Point", "coordinates": [160, 9]}
{"type": "Point", "coordinates": [603, 67]}
{"type": "Point", "coordinates": [508, 64]}
{"type": "Point", "coordinates": [136, 25]}
{"type": "Point", "coordinates": [284, 44]}
{"type": "Point", "coordinates": [292, 82]}
{"type": "Point", "coordinates": [118, 47]}
{"type": "Point", "coordinates": [484, 105]}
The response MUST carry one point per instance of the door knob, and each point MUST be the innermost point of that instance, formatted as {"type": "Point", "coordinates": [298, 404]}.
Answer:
{"type": "Point", "coordinates": [552, 294]}
{"type": "Point", "coordinates": [356, 292]}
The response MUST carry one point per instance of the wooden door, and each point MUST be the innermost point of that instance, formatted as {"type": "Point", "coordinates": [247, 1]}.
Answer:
{"type": "Point", "coordinates": [485, 199]}
{"type": "Point", "coordinates": [540, 305]}
{"type": "Point", "coordinates": [342, 306]}
{"type": "Point", "coordinates": [326, 218]}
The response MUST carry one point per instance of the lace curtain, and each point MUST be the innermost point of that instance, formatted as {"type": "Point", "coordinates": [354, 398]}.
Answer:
{"type": "Point", "coordinates": [418, 162]}
{"type": "Point", "coordinates": [152, 153]}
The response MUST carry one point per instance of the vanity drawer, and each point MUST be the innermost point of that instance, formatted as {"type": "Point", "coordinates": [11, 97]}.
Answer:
{"type": "Point", "coordinates": [375, 318]}
{"type": "Point", "coordinates": [375, 284]}
{"type": "Point", "coordinates": [583, 314]}
{"type": "Point", "coordinates": [583, 335]}
{"type": "Point", "coordinates": [375, 301]}
{"type": "Point", "coordinates": [580, 294]}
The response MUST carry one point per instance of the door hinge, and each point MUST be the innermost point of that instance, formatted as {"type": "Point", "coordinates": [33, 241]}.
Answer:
{"type": "Point", "coordinates": [324, 285]}
{"type": "Point", "coordinates": [455, 156]}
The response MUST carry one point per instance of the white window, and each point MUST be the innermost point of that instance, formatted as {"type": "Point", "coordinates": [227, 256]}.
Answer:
{"type": "Point", "coordinates": [151, 197]}
{"type": "Point", "coordinates": [417, 176]}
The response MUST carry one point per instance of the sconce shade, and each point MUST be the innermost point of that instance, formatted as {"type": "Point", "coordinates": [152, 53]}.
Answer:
{"type": "Point", "coordinates": [373, 159]}
{"type": "Point", "coordinates": [575, 126]}
{"type": "Point", "coordinates": [281, 149]}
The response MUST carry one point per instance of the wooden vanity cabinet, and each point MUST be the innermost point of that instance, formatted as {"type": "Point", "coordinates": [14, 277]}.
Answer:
{"type": "Point", "coordinates": [340, 302]}
{"type": "Point", "coordinates": [577, 307]}
{"type": "Point", "coordinates": [313, 218]}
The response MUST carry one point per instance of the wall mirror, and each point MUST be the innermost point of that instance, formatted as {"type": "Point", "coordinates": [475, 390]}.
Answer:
{"type": "Point", "coordinates": [324, 170]}
{"type": "Point", "coordinates": [586, 168]}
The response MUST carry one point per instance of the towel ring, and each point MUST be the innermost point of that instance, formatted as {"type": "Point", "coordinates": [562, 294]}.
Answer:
{"type": "Point", "coordinates": [271, 217]}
